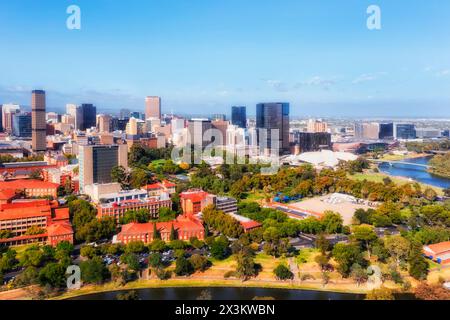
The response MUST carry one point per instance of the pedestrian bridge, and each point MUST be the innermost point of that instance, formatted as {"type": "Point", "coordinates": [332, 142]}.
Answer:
{"type": "Point", "coordinates": [401, 162]}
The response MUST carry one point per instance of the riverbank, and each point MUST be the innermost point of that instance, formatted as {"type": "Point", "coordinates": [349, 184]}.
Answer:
{"type": "Point", "coordinates": [198, 283]}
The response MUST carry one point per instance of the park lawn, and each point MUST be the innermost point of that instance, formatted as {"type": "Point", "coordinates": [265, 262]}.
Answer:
{"type": "Point", "coordinates": [254, 197]}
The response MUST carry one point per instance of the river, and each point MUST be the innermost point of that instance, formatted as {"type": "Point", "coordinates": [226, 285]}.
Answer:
{"type": "Point", "coordinates": [230, 294]}
{"type": "Point", "coordinates": [416, 173]}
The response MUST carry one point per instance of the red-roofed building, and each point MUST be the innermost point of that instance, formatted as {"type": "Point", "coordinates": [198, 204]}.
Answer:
{"type": "Point", "coordinates": [156, 189]}
{"type": "Point", "coordinates": [118, 210]}
{"type": "Point", "coordinates": [18, 217]}
{"type": "Point", "coordinates": [185, 228]}
{"type": "Point", "coordinates": [6, 196]}
{"type": "Point", "coordinates": [439, 252]}
{"type": "Point", "coordinates": [31, 188]}
{"type": "Point", "coordinates": [193, 201]}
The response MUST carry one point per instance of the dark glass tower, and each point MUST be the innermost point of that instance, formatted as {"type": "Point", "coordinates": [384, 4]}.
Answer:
{"type": "Point", "coordinates": [239, 116]}
{"type": "Point", "coordinates": [273, 116]}
{"type": "Point", "coordinates": [89, 115]}
{"type": "Point", "coordinates": [386, 130]}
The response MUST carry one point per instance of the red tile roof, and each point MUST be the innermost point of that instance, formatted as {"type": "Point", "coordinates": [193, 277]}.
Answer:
{"type": "Point", "coordinates": [27, 184]}
{"type": "Point", "coordinates": [181, 224]}
{"type": "Point", "coordinates": [438, 248]}
{"type": "Point", "coordinates": [7, 194]}
{"type": "Point", "coordinates": [59, 229]}
{"type": "Point", "coordinates": [194, 196]}
{"type": "Point", "coordinates": [249, 225]}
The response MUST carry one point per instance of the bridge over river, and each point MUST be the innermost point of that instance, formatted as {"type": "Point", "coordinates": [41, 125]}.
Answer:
{"type": "Point", "coordinates": [401, 162]}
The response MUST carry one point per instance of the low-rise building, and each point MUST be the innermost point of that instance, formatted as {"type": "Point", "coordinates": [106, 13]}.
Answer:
{"type": "Point", "coordinates": [439, 252]}
{"type": "Point", "coordinates": [185, 227]}
{"type": "Point", "coordinates": [31, 188]}
{"type": "Point", "coordinates": [118, 209]}
{"type": "Point", "coordinates": [18, 217]}
{"type": "Point", "coordinates": [156, 189]}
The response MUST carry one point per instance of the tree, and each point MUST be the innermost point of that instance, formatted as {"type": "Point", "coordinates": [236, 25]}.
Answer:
{"type": "Point", "coordinates": [398, 248]}
{"type": "Point", "coordinates": [132, 261]}
{"type": "Point", "coordinates": [282, 272]}
{"type": "Point", "coordinates": [88, 252]}
{"type": "Point", "coordinates": [156, 233]}
{"type": "Point", "coordinates": [199, 263]}
{"type": "Point", "coordinates": [380, 294]}
{"type": "Point", "coordinates": [155, 260]}
{"type": "Point", "coordinates": [323, 261]}
{"type": "Point", "coordinates": [93, 271]}
{"type": "Point", "coordinates": [166, 214]}
{"type": "Point", "coordinates": [246, 266]}
{"type": "Point", "coordinates": [322, 243]}
{"type": "Point", "coordinates": [28, 277]}
{"type": "Point", "coordinates": [346, 255]}
{"type": "Point", "coordinates": [139, 178]}
{"type": "Point", "coordinates": [135, 247]}
{"type": "Point", "coordinates": [119, 174]}
{"type": "Point", "coordinates": [418, 265]}
{"type": "Point", "coordinates": [32, 257]}
{"type": "Point", "coordinates": [332, 222]}
{"type": "Point", "coordinates": [158, 245]}
{"type": "Point", "coordinates": [366, 235]}
{"type": "Point", "coordinates": [173, 234]}
{"type": "Point", "coordinates": [358, 274]}
{"type": "Point", "coordinates": [183, 267]}
{"type": "Point", "coordinates": [53, 274]}
{"type": "Point", "coordinates": [219, 248]}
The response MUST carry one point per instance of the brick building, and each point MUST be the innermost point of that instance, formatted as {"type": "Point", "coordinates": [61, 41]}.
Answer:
{"type": "Point", "coordinates": [31, 188]}
{"type": "Point", "coordinates": [18, 217]}
{"type": "Point", "coordinates": [185, 228]}
{"type": "Point", "coordinates": [118, 210]}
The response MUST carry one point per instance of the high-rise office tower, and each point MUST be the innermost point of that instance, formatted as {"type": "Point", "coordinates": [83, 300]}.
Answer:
{"type": "Point", "coordinates": [104, 123]}
{"type": "Point", "coordinates": [38, 123]}
{"type": "Point", "coordinates": [8, 111]}
{"type": "Point", "coordinates": [77, 114]}
{"type": "Point", "coordinates": [370, 131]}
{"type": "Point", "coordinates": [153, 107]}
{"type": "Point", "coordinates": [89, 115]}
{"type": "Point", "coordinates": [272, 119]}
{"type": "Point", "coordinates": [239, 116]}
{"type": "Point", "coordinates": [197, 129]}
{"type": "Point", "coordinates": [386, 131]}
{"type": "Point", "coordinates": [22, 125]}
{"type": "Point", "coordinates": [97, 161]}
{"type": "Point", "coordinates": [404, 131]}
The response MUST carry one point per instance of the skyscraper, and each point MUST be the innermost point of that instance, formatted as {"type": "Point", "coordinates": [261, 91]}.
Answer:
{"type": "Point", "coordinates": [97, 161]}
{"type": "Point", "coordinates": [22, 125]}
{"type": "Point", "coordinates": [196, 130]}
{"type": "Point", "coordinates": [38, 123]}
{"type": "Point", "coordinates": [89, 116]}
{"type": "Point", "coordinates": [153, 107]}
{"type": "Point", "coordinates": [386, 131]}
{"type": "Point", "coordinates": [273, 119]}
{"type": "Point", "coordinates": [239, 116]}
{"type": "Point", "coordinates": [104, 123]}
{"type": "Point", "coordinates": [8, 110]}
{"type": "Point", "coordinates": [404, 131]}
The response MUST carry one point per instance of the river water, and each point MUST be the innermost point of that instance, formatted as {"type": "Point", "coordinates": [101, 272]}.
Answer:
{"type": "Point", "coordinates": [232, 294]}
{"type": "Point", "coordinates": [416, 173]}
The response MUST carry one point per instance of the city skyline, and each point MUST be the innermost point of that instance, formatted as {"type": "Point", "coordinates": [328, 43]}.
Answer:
{"type": "Point", "coordinates": [321, 58]}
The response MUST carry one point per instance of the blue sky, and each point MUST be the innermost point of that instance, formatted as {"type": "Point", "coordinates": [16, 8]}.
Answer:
{"type": "Point", "coordinates": [202, 56]}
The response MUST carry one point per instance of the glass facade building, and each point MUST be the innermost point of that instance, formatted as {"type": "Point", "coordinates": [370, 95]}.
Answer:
{"type": "Point", "coordinates": [239, 116]}
{"type": "Point", "coordinates": [22, 125]}
{"type": "Point", "coordinates": [270, 118]}
{"type": "Point", "coordinates": [386, 130]}
{"type": "Point", "coordinates": [89, 112]}
{"type": "Point", "coordinates": [404, 131]}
